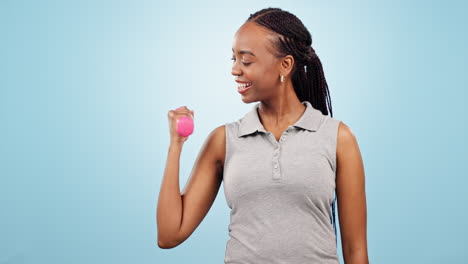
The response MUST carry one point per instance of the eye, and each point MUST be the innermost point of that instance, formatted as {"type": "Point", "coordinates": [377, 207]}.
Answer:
{"type": "Point", "coordinates": [245, 63]}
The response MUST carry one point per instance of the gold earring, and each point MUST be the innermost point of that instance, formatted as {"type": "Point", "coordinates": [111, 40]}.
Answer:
{"type": "Point", "coordinates": [282, 78]}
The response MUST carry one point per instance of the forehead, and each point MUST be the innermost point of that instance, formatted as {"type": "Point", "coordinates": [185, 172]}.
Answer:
{"type": "Point", "coordinates": [251, 37]}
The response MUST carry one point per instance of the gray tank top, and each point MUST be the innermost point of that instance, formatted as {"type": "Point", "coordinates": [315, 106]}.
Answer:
{"type": "Point", "coordinates": [281, 194]}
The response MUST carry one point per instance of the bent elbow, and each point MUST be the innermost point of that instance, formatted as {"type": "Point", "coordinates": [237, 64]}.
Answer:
{"type": "Point", "coordinates": [165, 245]}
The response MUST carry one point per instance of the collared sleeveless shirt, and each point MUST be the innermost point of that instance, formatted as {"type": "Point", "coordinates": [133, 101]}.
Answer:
{"type": "Point", "coordinates": [281, 193]}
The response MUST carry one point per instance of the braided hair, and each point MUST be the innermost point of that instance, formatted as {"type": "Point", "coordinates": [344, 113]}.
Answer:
{"type": "Point", "coordinates": [308, 79]}
{"type": "Point", "coordinates": [293, 38]}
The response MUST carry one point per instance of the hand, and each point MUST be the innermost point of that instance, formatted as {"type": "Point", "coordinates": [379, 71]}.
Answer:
{"type": "Point", "coordinates": [173, 115]}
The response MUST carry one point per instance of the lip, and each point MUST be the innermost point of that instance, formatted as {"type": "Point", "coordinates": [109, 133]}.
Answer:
{"type": "Point", "coordinates": [244, 91]}
{"type": "Point", "coordinates": [241, 82]}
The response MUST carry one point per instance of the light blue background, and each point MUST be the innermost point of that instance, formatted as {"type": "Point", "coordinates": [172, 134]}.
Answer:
{"type": "Point", "coordinates": [86, 87]}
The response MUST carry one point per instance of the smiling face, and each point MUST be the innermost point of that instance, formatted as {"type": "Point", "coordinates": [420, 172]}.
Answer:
{"type": "Point", "coordinates": [254, 62]}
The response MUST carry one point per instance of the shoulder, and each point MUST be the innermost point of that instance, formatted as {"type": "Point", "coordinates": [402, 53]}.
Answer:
{"type": "Point", "coordinates": [345, 133]}
{"type": "Point", "coordinates": [347, 141]}
{"type": "Point", "coordinates": [216, 142]}
{"type": "Point", "coordinates": [219, 133]}
{"type": "Point", "coordinates": [217, 136]}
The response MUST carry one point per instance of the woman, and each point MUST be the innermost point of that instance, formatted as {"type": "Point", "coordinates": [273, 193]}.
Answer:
{"type": "Point", "coordinates": [281, 163]}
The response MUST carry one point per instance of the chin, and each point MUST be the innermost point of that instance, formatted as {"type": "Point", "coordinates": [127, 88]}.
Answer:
{"type": "Point", "coordinates": [248, 99]}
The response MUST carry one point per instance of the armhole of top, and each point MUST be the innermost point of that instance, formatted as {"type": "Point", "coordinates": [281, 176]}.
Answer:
{"type": "Point", "coordinates": [226, 158]}
{"type": "Point", "coordinates": [336, 129]}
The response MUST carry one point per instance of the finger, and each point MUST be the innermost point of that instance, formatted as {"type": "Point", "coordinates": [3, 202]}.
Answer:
{"type": "Point", "coordinates": [185, 112]}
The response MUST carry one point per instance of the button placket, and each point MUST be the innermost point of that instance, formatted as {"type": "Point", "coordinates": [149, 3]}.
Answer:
{"type": "Point", "coordinates": [276, 166]}
{"type": "Point", "coordinates": [276, 174]}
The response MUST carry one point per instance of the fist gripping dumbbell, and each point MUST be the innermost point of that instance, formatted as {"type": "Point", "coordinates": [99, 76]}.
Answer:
{"type": "Point", "coordinates": [184, 125]}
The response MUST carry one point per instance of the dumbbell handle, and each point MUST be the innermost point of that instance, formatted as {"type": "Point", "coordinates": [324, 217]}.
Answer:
{"type": "Point", "coordinates": [184, 125]}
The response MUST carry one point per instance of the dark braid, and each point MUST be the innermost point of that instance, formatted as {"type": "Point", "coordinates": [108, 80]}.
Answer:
{"type": "Point", "coordinates": [308, 77]}
{"type": "Point", "coordinates": [294, 39]}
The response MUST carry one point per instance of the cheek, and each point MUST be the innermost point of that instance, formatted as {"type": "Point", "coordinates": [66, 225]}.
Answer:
{"type": "Point", "coordinates": [267, 76]}
{"type": "Point", "coordinates": [263, 72]}
{"type": "Point", "coordinates": [269, 71]}
{"type": "Point", "coordinates": [263, 76]}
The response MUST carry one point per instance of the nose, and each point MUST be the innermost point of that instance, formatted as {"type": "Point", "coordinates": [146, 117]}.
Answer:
{"type": "Point", "coordinates": [235, 70]}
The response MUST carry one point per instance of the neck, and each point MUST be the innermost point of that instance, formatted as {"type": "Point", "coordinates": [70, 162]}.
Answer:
{"type": "Point", "coordinates": [281, 111]}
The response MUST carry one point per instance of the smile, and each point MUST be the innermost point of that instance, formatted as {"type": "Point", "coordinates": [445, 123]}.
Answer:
{"type": "Point", "coordinates": [244, 87]}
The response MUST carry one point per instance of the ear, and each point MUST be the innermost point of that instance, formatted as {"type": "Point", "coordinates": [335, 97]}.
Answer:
{"type": "Point", "coordinates": [286, 65]}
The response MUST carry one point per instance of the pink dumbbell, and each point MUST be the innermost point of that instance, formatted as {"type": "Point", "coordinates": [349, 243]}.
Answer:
{"type": "Point", "coordinates": [184, 125]}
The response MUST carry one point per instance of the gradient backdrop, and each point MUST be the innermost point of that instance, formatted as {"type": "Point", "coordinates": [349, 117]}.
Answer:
{"type": "Point", "coordinates": [85, 89]}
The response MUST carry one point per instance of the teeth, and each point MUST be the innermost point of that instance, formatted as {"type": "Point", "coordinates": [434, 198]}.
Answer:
{"type": "Point", "coordinates": [243, 85]}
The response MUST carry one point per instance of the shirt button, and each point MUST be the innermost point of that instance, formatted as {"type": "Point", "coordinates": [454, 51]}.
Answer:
{"type": "Point", "coordinates": [276, 165]}
{"type": "Point", "coordinates": [275, 154]}
{"type": "Point", "coordinates": [276, 146]}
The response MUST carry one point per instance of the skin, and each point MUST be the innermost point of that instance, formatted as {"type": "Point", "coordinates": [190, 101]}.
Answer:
{"type": "Point", "coordinates": [179, 214]}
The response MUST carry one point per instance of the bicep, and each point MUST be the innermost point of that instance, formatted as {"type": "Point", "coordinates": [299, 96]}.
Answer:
{"type": "Point", "coordinates": [203, 185]}
{"type": "Point", "coordinates": [350, 188]}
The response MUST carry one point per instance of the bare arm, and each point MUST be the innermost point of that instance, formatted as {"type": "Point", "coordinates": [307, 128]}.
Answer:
{"type": "Point", "coordinates": [350, 185]}
{"type": "Point", "coordinates": [179, 214]}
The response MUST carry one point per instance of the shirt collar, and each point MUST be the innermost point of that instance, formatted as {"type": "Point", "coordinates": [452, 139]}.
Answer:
{"type": "Point", "coordinates": [310, 120]}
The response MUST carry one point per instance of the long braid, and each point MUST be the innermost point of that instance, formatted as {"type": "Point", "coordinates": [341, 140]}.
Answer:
{"type": "Point", "coordinates": [308, 77]}
{"type": "Point", "coordinates": [293, 38]}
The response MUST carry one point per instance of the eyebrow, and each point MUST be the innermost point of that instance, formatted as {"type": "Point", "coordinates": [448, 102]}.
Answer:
{"type": "Point", "coordinates": [245, 52]}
